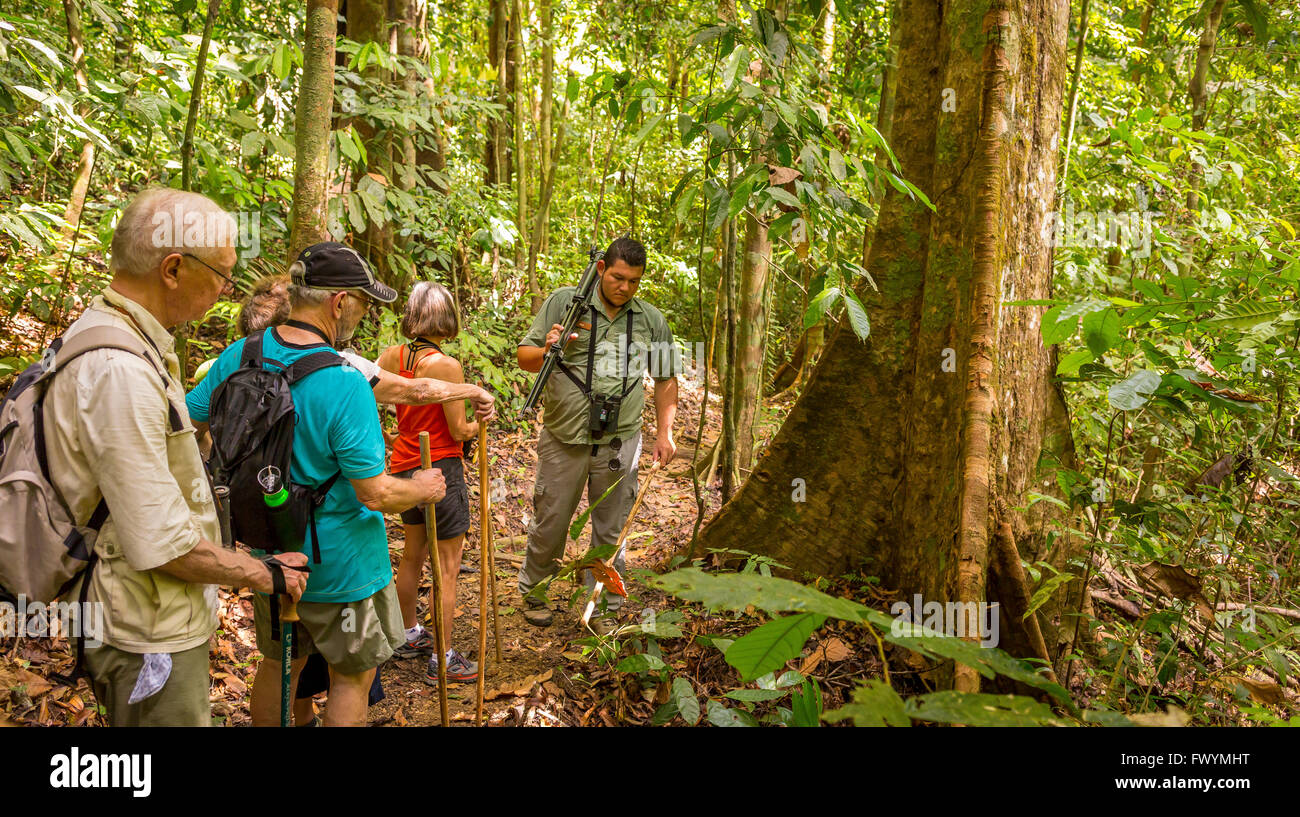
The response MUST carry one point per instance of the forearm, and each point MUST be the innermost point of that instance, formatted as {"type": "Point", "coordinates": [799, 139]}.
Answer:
{"type": "Point", "coordinates": [530, 358]}
{"type": "Point", "coordinates": [392, 495]}
{"type": "Point", "coordinates": [207, 563]}
{"type": "Point", "coordinates": [665, 406]}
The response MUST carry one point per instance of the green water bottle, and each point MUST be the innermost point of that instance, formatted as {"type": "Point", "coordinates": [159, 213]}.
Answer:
{"type": "Point", "coordinates": [276, 496]}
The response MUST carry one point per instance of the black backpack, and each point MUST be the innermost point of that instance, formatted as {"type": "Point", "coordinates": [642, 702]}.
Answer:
{"type": "Point", "coordinates": [252, 421]}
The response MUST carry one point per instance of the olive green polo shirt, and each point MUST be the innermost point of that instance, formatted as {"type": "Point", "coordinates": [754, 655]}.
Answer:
{"type": "Point", "coordinates": [650, 349]}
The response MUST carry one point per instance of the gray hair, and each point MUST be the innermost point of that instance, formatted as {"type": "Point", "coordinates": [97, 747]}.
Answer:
{"type": "Point", "coordinates": [430, 312]}
{"type": "Point", "coordinates": [305, 296]}
{"type": "Point", "coordinates": [161, 221]}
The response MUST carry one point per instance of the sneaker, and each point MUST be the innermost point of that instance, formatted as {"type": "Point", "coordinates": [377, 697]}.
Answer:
{"type": "Point", "coordinates": [459, 670]}
{"type": "Point", "coordinates": [422, 647]}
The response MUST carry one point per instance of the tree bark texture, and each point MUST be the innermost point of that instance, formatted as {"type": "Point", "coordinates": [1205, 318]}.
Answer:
{"type": "Point", "coordinates": [312, 129]}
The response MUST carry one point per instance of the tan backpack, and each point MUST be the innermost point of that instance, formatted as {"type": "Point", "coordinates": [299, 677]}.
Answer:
{"type": "Point", "coordinates": [43, 549]}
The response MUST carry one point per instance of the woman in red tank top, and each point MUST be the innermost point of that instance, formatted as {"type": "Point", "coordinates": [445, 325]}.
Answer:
{"type": "Point", "coordinates": [430, 318]}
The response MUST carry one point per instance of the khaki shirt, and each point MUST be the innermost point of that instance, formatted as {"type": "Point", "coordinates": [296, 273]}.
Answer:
{"type": "Point", "coordinates": [651, 350]}
{"type": "Point", "coordinates": [108, 435]}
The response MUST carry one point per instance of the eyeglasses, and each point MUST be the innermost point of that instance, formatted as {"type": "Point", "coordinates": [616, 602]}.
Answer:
{"type": "Point", "coordinates": [224, 277]}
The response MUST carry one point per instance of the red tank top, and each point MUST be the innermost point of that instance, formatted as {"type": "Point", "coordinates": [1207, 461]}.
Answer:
{"type": "Point", "coordinates": [411, 420]}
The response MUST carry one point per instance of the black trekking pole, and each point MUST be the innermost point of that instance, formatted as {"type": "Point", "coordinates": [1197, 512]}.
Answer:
{"type": "Point", "coordinates": [276, 496]}
{"type": "Point", "coordinates": [570, 323]}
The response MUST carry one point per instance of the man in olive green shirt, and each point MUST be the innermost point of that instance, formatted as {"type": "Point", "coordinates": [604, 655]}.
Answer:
{"type": "Point", "coordinates": [591, 434]}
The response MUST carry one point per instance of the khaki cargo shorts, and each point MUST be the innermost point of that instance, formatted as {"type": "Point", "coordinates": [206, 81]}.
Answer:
{"type": "Point", "coordinates": [352, 637]}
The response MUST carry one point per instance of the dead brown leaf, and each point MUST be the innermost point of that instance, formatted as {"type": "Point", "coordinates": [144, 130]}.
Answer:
{"type": "Point", "coordinates": [1174, 581]}
{"type": "Point", "coordinates": [837, 650]}
{"type": "Point", "coordinates": [35, 684]}
{"type": "Point", "coordinates": [1266, 692]}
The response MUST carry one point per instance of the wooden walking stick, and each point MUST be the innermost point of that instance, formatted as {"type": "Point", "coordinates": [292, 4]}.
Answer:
{"type": "Point", "coordinates": [605, 570]}
{"type": "Point", "coordinates": [484, 569]}
{"type": "Point", "coordinates": [489, 545]}
{"type": "Point", "coordinates": [440, 637]}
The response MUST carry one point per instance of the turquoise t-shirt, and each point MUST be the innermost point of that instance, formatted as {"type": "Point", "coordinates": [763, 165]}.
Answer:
{"type": "Point", "coordinates": [338, 430]}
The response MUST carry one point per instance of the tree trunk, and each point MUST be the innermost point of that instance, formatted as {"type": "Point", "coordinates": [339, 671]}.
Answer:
{"type": "Point", "coordinates": [545, 126]}
{"type": "Point", "coordinates": [495, 158]}
{"type": "Point", "coordinates": [367, 22]}
{"type": "Point", "coordinates": [519, 105]}
{"type": "Point", "coordinates": [1196, 89]}
{"type": "Point", "coordinates": [904, 443]}
{"type": "Point", "coordinates": [196, 95]}
{"type": "Point", "coordinates": [751, 336]}
{"type": "Point", "coordinates": [312, 129]}
{"type": "Point", "coordinates": [80, 179]}
{"type": "Point", "coordinates": [1072, 105]}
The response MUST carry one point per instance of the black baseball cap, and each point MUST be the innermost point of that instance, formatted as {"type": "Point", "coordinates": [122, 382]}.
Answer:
{"type": "Point", "coordinates": [331, 265]}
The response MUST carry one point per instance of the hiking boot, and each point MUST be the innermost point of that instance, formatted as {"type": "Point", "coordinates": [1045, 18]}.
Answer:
{"type": "Point", "coordinates": [537, 613]}
{"type": "Point", "coordinates": [422, 647]}
{"type": "Point", "coordinates": [460, 670]}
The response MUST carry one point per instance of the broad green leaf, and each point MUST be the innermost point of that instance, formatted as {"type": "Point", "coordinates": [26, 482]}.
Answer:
{"type": "Point", "coordinates": [640, 662]}
{"type": "Point", "coordinates": [1133, 392]}
{"type": "Point", "coordinates": [768, 647]}
{"type": "Point", "coordinates": [1101, 331]}
{"type": "Point", "coordinates": [1070, 364]}
{"type": "Point", "coordinates": [645, 131]}
{"type": "Point", "coordinates": [819, 305]}
{"type": "Point", "coordinates": [751, 695]}
{"type": "Point", "coordinates": [687, 704]}
{"type": "Point", "coordinates": [772, 594]}
{"type": "Point", "coordinates": [347, 146]}
{"type": "Point", "coordinates": [875, 703]}
{"type": "Point", "coordinates": [857, 315]}
{"type": "Point", "coordinates": [720, 715]}
{"type": "Point", "coordinates": [980, 709]}
{"type": "Point", "coordinates": [251, 144]}
{"type": "Point", "coordinates": [280, 62]}
{"type": "Point", "coordinates": [837, 165]}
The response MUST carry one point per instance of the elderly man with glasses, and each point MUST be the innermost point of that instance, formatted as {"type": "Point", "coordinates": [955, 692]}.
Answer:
{"type": "Point", "coordinates": [122, 454]}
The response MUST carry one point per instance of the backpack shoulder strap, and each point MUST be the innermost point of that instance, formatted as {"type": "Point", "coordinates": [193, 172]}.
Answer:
{"type": "Point", "coordinates": [99, 337]}
{"type": "Point", "coordinates": [252, 352]}
{"type": "Point", "coordinates": [67, 349]}
{"type": "Point", "coordinates": [310, 364]}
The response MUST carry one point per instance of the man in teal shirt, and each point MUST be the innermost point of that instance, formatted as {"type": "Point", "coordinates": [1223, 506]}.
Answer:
{"type": "Point", "coordinates": [591, 434]}
{"type": "Point", "coordinates": [349, 612]}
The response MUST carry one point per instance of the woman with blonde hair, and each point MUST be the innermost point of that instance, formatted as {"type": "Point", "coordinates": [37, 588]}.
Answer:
{"type": "Point", "coordinates": [430, 319]}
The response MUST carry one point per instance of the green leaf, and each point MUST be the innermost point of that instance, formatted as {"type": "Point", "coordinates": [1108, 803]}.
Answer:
{"type": "Point", "coordinates": [783, 196]}
{"type": "Point", "coordinates": [739, 199]}
{"type": "Point", "coordinates": [1070, 364]}
{"type": "Point", "coordinates": [356, 212]}
{"type": "Point", "coordinates": [639, 663]}
{"type": "Point", "coordinates": [806, 705]}
{"type": "Point", "coordinates": [1134, 391]}
{"type": "Point", "coordinates": [875, 703]}
{"type": "Point", "coordinates": [767, 648]}
{"type": "Point", "coordinates": [772, 594]}
{"type": "Point", "coordinates": [347, 146]}
{"type": "Point", "coordinates": [687, 704]}
{"type": "Point", "coordinates": [1170, 121]}
{"type": "Point", "coordinates": [1101, 331]}
{"type": "Point", "coordinates": [819, 305]}
{"type": "Point", "coordinates": [575, 529]}
{"type": "Point", "coordinates": [857, 315]}
{"type": "Point", "coordinates": [720, 715]}
{"type": "Point", "coordinates": [280, 64]}
{"type": "Point", "coordinates": [753, 695]}
{"type": "Point", "coordinates": [645, 131]}
{"type": "Point", "coordinates": [980, 709]}
{"type": "Point", "coordinates": [251, 144]}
